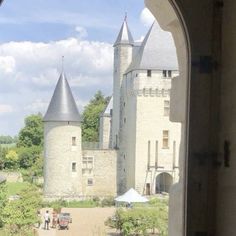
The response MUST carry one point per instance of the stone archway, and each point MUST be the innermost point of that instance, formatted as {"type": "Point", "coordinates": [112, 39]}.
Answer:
{"type": "Point", "coordinates": [163, 182]}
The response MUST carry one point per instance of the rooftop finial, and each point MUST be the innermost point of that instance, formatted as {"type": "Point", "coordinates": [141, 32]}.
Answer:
{"type": "Point", "coordinates": [62, 64]}
{"type": "Point", "coordinates": [125, 16]}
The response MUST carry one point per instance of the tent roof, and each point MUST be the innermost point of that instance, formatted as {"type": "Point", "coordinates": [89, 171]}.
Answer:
{"type": "Point", "coordinates": [131, 196]}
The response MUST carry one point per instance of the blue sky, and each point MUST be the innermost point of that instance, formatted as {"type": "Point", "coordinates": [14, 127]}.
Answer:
{"type": "Point", "coordinates": [36, 34]}
{"type": "Point", "coordinates": [56, 19]}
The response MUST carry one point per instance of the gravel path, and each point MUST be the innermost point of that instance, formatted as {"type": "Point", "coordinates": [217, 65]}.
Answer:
{"type": "Point", "coordinates": [85, 222]}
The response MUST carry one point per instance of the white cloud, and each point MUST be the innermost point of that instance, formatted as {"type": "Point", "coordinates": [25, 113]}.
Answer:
{"type": "Point", "coordinates": [38, 64]}
{"type": "Point", "coordinates": [4, 108]}
{"type": "Point", "coordinates": [82, 32]}
{"type": "Point", "coordinates": [140, 39]}
{"type": "Point", "coordinates": [29, 72]}
{"type": "Point", "coordinates": [146, 17]}
{"type": "Point", "coordinates": [37, 106]}
{"type": "Point", "coordinates": [7, 64]}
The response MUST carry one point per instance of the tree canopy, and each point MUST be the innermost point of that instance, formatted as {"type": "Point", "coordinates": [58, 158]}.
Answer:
{"type": "Point", "coordinates": [32, 133]}
{"type": "Point", "coordinates": [21, 214]}
{"type": "Point", "coordinates": [7, 139]}
{"type": "Point", "coordinates": [90, 117]}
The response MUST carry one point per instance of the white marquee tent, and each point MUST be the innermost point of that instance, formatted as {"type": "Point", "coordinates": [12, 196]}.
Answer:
{"type": "Point", "coordinates": [131, 196]}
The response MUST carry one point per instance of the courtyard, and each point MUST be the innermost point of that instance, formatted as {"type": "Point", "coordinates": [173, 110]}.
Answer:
{"type": "Point", "coordinates": [85, 222]}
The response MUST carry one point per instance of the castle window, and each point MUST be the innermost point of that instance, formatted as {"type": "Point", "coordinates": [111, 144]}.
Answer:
{"type": "Point", "coordinates": [169, 73]}
{"type": "Point", "coordinates": [165, 139]}
{"type": "Point", "coordinates": [124, 120]}
{"type": "Point", "coordinates": [166, 108]}
{"type": "Point", "coordinates": [149, 73]}
{"type": "Point", "coordinates": [73, 141]}
{"type": "Point", "coordinates": [164, 73]}
{"type": "Point", "coordinates": [73, 166]}
{"type": "Point", "coordinates": [90, 182]}
{"type": "Point", "coordinates": [87, 163]}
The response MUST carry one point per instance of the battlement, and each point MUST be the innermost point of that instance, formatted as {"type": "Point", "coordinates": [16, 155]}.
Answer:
{"type": "Point", "coordinates": [149, 92]}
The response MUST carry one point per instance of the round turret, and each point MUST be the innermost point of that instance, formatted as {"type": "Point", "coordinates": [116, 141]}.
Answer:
{"type": "Point", "coordinates": [62, 145]}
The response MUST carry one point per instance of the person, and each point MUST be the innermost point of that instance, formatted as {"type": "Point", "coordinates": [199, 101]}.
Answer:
{"type": "Point", "coordinates": [46, 220]}
{"type": "Point", "coordinates": [39, 218]}
{"type": "Point", "coordinates": [54, 219]}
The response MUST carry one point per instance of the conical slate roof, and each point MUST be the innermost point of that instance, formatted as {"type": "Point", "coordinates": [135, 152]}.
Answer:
{"type": "Point", "coordinates": [62, 106]}
{"type": "Point", "coordinates": [157, 51]}
{"type": "Point", "coordinates": [124, 36]}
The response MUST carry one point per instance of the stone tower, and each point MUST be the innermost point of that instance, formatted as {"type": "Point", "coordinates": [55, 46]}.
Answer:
{"type": "Point", "coordinates": [62, 144]}
{"type": "Point", "coordinates": [149, 141]}
{"type": "Point", "coordinates": [122, 58]}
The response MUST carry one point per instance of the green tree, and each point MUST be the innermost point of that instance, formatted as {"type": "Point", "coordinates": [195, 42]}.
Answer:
{"type": "Point", "coordinates": [3, 200]}
{"type": "Point", "coordinates": [90, 117]}
{"type": "Point", "coordinates": [32, 133]}
{"type": "Point", "coordinates": [28, 156]}
{"type": "Point", "coordinates": [3, 152]}
{"type": "Point", "coordinates": [6, 139]}
{"type": "Point", "coordinates": [20, 215]}
{"type": "Point", "coordinates": [11, 159]}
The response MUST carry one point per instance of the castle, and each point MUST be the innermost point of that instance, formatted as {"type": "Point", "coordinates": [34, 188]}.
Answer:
{"type": "Point", "coordinates": [138, 144]}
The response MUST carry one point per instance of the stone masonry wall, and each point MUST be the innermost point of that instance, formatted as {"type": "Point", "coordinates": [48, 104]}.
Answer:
{"type": "Point", "coordinates": [101, 180]}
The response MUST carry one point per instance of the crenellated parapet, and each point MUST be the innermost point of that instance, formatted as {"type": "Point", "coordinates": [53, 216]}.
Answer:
{"type": "Point", "coordinates": [149, 92]}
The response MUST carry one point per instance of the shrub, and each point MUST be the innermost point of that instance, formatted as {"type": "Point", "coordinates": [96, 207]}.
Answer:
{"type": "Point", "coordinates": [107, 202]}
{"type": "Point", "coordinates": [140, 220]}
{"type": "Point", "coordinates": [20, 215]}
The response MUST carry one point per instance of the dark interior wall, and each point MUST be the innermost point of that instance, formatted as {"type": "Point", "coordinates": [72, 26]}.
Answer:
{"type": "Point", "coordinates": [203, 141]}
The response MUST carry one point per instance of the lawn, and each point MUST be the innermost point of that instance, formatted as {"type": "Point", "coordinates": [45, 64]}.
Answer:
{"type": "Point", "coordinates": [14, 188]}
{"type": "Point", "coordinates": [10, 145]}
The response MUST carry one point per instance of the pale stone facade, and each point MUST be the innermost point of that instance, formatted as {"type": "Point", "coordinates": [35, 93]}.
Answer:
{"type": "Point", "coordinates": [60, 180]}
{"type": "Point", "coordinates": [142, 120]}
{"type": "Point", "coordinates": [138, 144]}
{"type": "Point", "coordinates": [99, 172]}
{"type": "Point", "coordinates": [70, 172]}
{"type": "Point", "coordinates": [147, 156]}
{"type": "Point", "coordinates": [122, 59]}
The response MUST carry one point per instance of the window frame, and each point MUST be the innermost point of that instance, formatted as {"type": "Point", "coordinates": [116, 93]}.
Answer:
{"type": "Point", "coordinates": [165, 139]}
{"type": "Point", "coordinates": [74, 167]}
{"type": "Point", "coordinates": [73, 141]}
{"type": "Point", "coordinates": [166, 108]}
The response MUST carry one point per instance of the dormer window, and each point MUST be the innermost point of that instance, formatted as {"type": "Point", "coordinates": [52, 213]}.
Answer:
{"type": "Point", "coordinates": [149, 73]}
{"type": "Point", "coordinates": [169, 73]}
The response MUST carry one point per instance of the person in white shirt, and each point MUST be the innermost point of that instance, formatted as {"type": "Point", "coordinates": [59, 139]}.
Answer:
{"type": "Point", "coordinates": [46, 220]}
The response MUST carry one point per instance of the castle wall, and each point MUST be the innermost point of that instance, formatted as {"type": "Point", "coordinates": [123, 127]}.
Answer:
{"type": "Point", "coordinates": [151, 124]}
{"type": "Point", "coordinates": [104, 132]}
{"type": "Point", "coordinates": [141, 135]}
{"type": "Point", "coordinates": [99, 178]}
{"type": "Point", "coordinates": [127, 138]}
{"type": "Point", "coordinates": [59, 154]}
{"type": "Point", "coordinates": [122, 59]}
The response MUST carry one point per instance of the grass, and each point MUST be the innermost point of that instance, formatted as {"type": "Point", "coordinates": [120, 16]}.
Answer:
{"type": "Point", "coordinates": [14, 188]}
{"type": "Point", "coordinates": [72, 204]}
{"type": "Point", "coordinates": [10, 145]}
